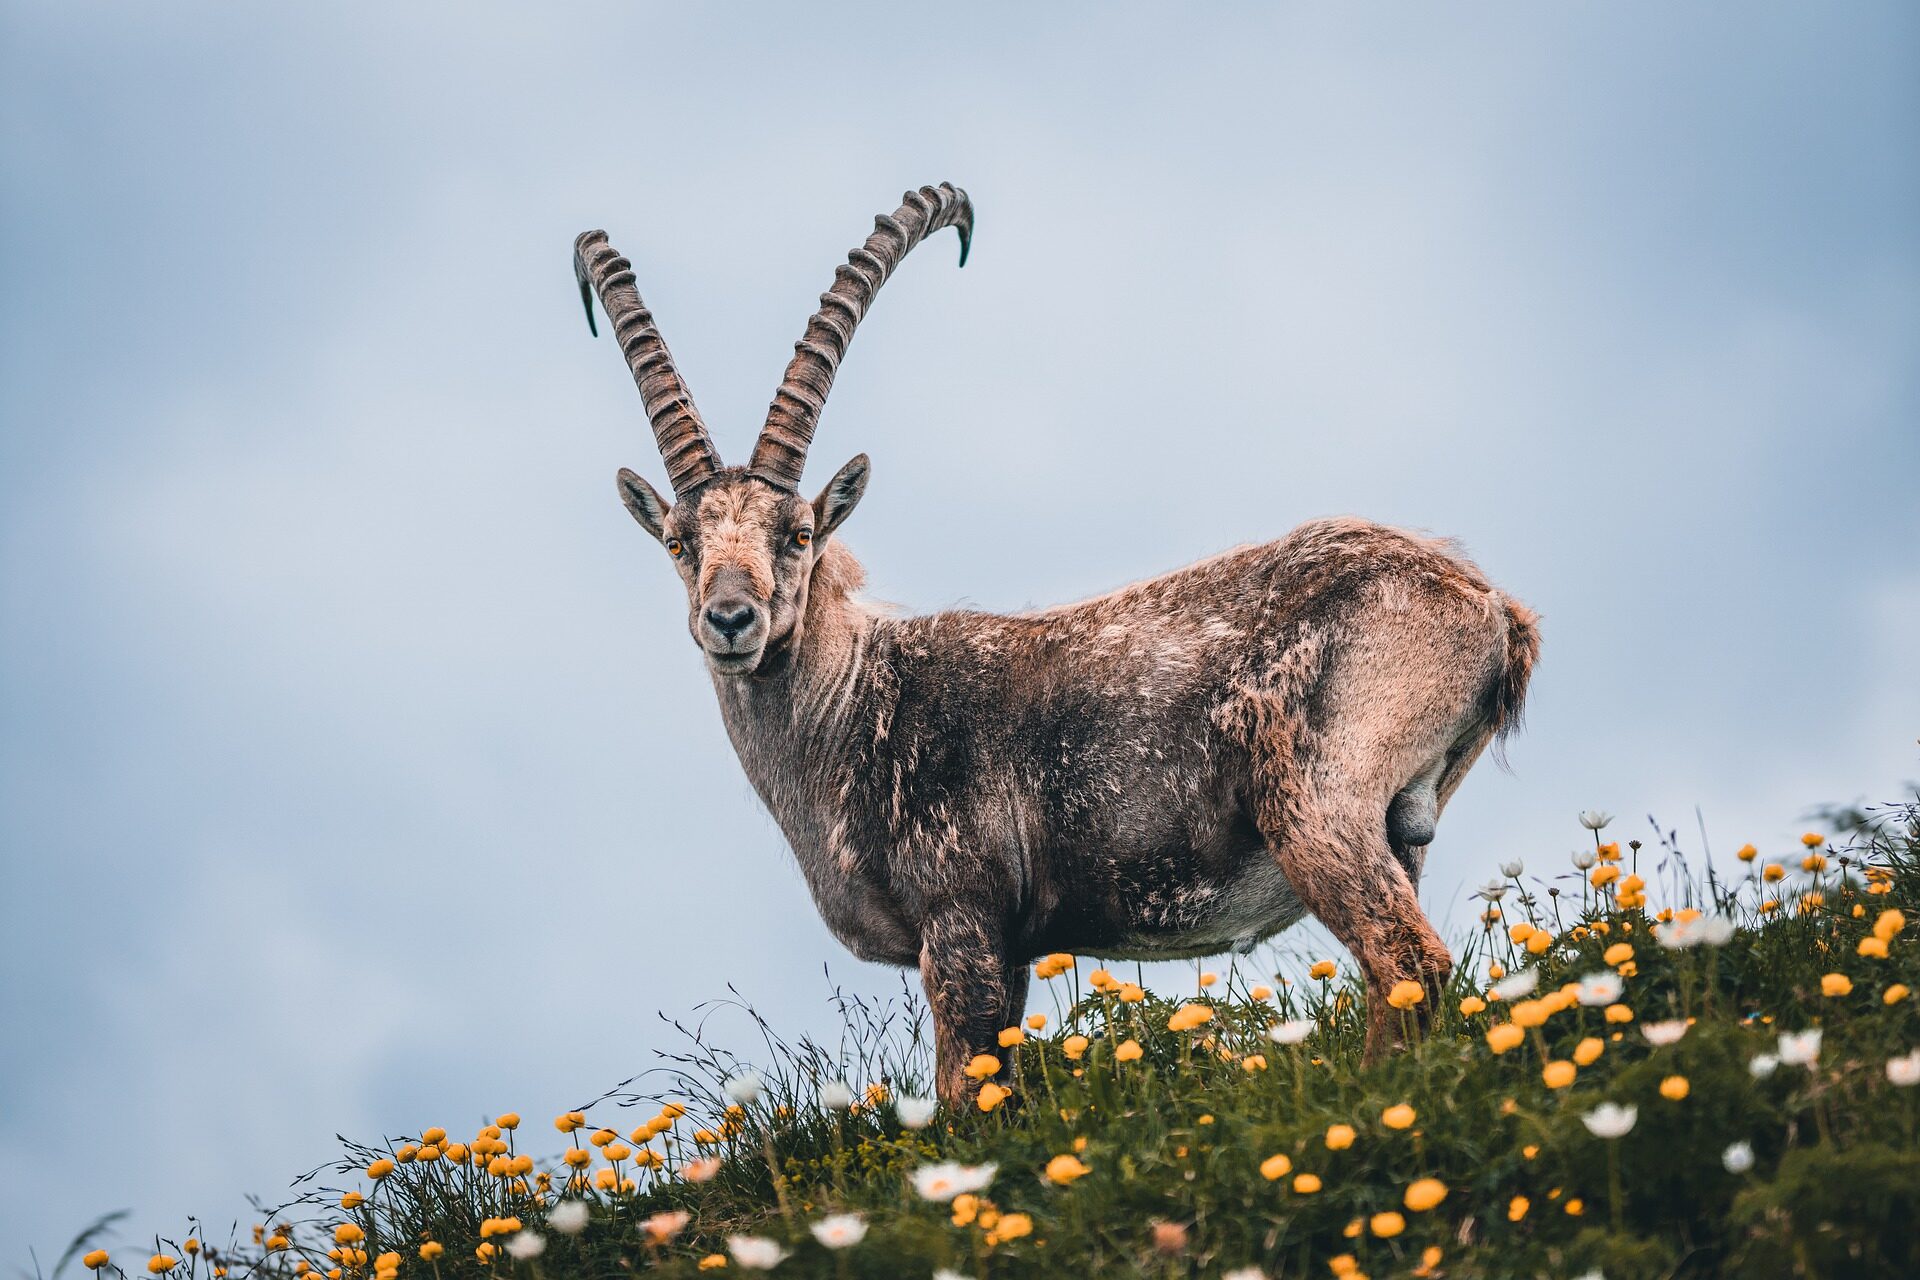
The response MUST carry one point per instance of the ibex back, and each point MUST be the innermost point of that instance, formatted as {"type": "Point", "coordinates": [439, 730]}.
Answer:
{"type": "Point", "coordinates": [1181, 767]}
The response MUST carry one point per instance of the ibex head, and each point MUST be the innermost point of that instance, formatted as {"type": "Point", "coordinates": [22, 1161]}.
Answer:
{"type": "Point", "coordinates": [744, 540]}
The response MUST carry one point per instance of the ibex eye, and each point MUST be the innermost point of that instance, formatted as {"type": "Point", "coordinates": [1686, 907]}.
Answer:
{"type": "Point", "coordinates": [803, 537]}
{"type": "Point", "coordinates": [676, 548]}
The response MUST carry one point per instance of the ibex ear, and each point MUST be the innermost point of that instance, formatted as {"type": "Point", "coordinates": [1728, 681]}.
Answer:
{"type": "Point", "coordinates": [837, 500]}
{"type": "Point", "coordinates": [648, 507]}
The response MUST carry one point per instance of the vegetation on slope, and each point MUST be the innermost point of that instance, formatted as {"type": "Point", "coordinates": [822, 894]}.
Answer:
{"type": "Point", "coordinates": [1640, 1068]}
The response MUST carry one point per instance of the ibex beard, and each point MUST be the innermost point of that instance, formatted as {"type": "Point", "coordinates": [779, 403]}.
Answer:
{"type": "Point", "coordinates": [1182, 767]}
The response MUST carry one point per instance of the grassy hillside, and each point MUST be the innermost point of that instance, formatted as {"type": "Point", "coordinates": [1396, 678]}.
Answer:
{"type": "Point", "coordinates": [1642, 1068]}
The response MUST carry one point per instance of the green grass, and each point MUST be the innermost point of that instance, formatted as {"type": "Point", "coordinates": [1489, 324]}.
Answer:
{"type": "Point", "coordinates": [1175, 1141]}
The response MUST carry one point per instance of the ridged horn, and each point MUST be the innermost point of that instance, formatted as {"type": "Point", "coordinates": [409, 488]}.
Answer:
{"type": "Point", "coordinates": [684, 444]}
{"type": "Point", "coordinates": [781, 451]}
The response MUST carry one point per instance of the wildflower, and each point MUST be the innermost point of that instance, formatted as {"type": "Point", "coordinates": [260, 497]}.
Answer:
{"type": "Point", "coordinates": [839, 1230]}
{"type": "Point", "coordinates": [1873, 948]}
{"type": "Point", "coordinates": [1738, 1158]}
{"type": "Point", "coordinates": [1619, 1013]}
{"type": "Point", "coordinates": [96, 1259]}
{"type": "Point", "coordinates": [715, 1262]}
{"type": "Point", "coordinates": [1904, 1071]}
{"type": "Point", "coordinates": [1290, 1032]}
{"type": "Point", "coordinates": [161, 1263]}
{"type": "Point", "coordinates": [1074, 1047]}
{"type": "Point", "coordinates": [1127, 1051]}
{"type": "Point", "coordinates": [1492, 890]}
{"type": "Point", "coordinates": [992, 1095]}
{"type": "Point", "coordinates": [1746, 853]}
{"type": "Point", "coordinates": [380, 1168]}
{"type": "Point", "coordinates": [1660, 1034]}
{"type": "Point", "coordinates": [1512, 869]}
{"type": "Point", "coordinates": [1189, 1016]}
{"type": "Point", "coordinates": [1813, 839]}
{"type": "Point", "coordinates": [1773, 872]}
{"type": "Point", "coordinates": [1517, 1208]}
{"type": "Point", "coordinates": [1895, 993]}
{"type": "Point", "coordinates": [1674, 1088]}
{"type": "Point", "coordinates": [526, 1245]}
{"type": "Point", "coordinates": [942, 1182]}
{"type": "Point", "coordinates": [755, 1253]}
{"type": "Point", "coordinates": [1387, 1225]}
{"type": "Point", "coordinates": [1595, 819]}
{"type": "Point", "coordinates": [1584, 859]}
{"type": "Point", "coordinates": [1238, 1273]}
{"type": "Point", "coordinates": [1063, 1169]}
{"type": "Point", "coordinates": [348, 1233]}
{"type": "Point", "coordinates": [1558, 1074]}
{"type": "Point", "coordinates": [1600, 988]}
{"type": "Point", "coordinates": [1321, 969]}
{"type": "Point", "coordinates": [431, 1249]}
{"type": "Point", "coordinates": [1836, 984]}
{"type": "Point", "coordinates": [1588, 1051]}
{"type": "Point", "coordinates": [569, 1217]}
{"type": "Point", "coordinates": [702, 1170]}
{"type": "Point", "coordinates": [1610, 1120]}
{"type": "Point", "coordinates": [1261, 993]}
{"type": "Point", "coordinates": [837, 1095]}
{"type": "Point", "coordinates": [1424, 1194]}
{"type": "Point", "coordinates": [1815, 862]}
{"type": "Point", "coordinates": [1397, 1116]}
{"type": "Point", "coordinates": [1406, 994]}
{"type": "Point", "coordinates": [1275, 1167]}
{"type": "Point", "coordinates": [1504, 1036]}
{"type": "Point", "coordinates": [1012, 1036]}
{"type": "Point", "coordinates": [1011, 1226]}
{"type": "Point", "coordinates": [744, 1087]}
{"type": "Point", "coordinates": [1604, 876]}
{"type": "Point", "coordinates": [914, 1113]}
{"type": "Point", "coordinates": [982, 1066]}
{"type": "Point", "coordinates": [1516, 985]}
{"type": "Point", "coordinates": [1890, 922]}
{"type": "Point", "coordinates": [1575, 1207]}
{"type": "Point", "coordinates": [352, 1200]}
{"type": "Point", "coordinates": [1253, 1062]}
{"type": "Point", "coordinates": [1472, 1005]}
{"type": "Point", "coordinates": [1306, 1184]}
{"type": "Point", "coordinates": [568, 1121]}
{"type": "Point", "coordinates": [1339, 1137]}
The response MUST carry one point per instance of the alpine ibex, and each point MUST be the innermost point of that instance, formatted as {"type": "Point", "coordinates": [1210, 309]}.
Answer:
{"type": "Point", "coordinates": [1183, 766]}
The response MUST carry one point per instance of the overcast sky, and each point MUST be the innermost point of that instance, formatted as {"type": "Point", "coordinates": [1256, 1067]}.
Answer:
{"type": "Point", "coordinates": [356, 770]}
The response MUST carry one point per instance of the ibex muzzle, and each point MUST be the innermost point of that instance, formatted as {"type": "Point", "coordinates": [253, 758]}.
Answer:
{"type": "Point", "coordinates": [1186, 765]}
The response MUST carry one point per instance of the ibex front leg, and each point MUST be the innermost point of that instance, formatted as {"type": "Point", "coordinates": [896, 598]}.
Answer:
{"type": "Point", "coordinates": [964, 966]}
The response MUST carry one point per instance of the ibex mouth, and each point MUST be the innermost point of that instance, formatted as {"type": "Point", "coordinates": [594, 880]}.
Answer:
{"type": "Point", "coordinates": [733, 664]}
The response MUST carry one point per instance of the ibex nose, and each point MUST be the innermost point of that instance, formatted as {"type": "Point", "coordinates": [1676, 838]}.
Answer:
{"type": "Point", "coordinates": [729, 618]}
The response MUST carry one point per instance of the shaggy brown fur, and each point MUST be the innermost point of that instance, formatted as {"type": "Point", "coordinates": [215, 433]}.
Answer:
{"type": "Point", "coordinates": [1181, 767]}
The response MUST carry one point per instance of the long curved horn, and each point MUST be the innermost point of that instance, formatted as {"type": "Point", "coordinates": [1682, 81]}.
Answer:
{"type": "Point", "coordinates": [781, 452]}
{"type": "Point", "coordinates": [677, 428]}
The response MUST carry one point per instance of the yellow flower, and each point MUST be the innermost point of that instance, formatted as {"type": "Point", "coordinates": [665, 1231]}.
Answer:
{"type": "Point", "coordinates": [1306, 1184]}
{"type": "Point", "coordinates": [485, 1250]}
{"type": "Point", "coordinates": [713, 1262]}
{"type": "Point", "coordinates": [1189, 1016]}
{"type": "Point", "coordinates": [1519, 932]}
{"type": "Point", "coordinates": [431, 1250]}
{"type": "Point", "coordinates": [1339, 1137]}
{"type": "Point", "coordinates": [1773, 872]}
{"type": "Point", "coordinates": [1575, 1207]}
{"type": "Point", "coordinates": [1397, 1116]}
{"type": "Point", "coordinates": [1836, 984]}
{"type": "Point", "coordinates": [1895, 993]}
{"type": "Point", "coordinates": [1275, 1167]}
{"type": "Point", "coordinates": [1588, 1051]}
{"type": "Point", "coordinates": [348, 1233]}
{"type": "Point", "coordinates": [1813, 839]}
{"type": "Point", "coordinates": [1674, 1088]}
{"type": "Point", "coordinates": [1746, 853]}
{"type": "Point", "coordinates": [1889, 923]}
{"type": "Point", "coordinates": [982, 1066]}
{"type": "Point", "coordinates": [1619, 1013]}
{"type": "Point", "coordinates": [1472, 1005]}
{"type": "Point", "coordinates": [1127, 1051]}
{"type": "Point", "coordinates": [380, 1168]}
{"type": "Point", "coordinates": [1011, 1037]}
{"type": "Point", "coordinates": [992, 1095]}
{"type": "Point", "coordinates": [578, 1157]}
{"type": "Point", "coordinates": [511, 1120]}
{"type": "Point", "coordinates": [1874, 948]}
{"type": "Point", "coordinates": [1253, 1062]}
{"type": "Point", "coordinates": [1037, 1021]}
{"type": "Point", "coordinates": [672, 1111]}
{"type": "Point", "coordinates": [1496, 971]}
{"type": "Point", "coordinates": [1074, 1047]}
{"type": "Point", "coordinates": [95, 1260]}
{"type": "Point", "coordinates": [1531, 1013]}
{"type": "Point", "coordinates": [1424, 1193]}
{"type": "Point", "coordinates": [1604, 875]}
{"type": "Point", "coordinates": [568, 1121]}
{"type": "Point", "coordinates": [602, 1137]}
{"type": "Point", "coordinates": [1539, 942]}
{"type": "Point", "coordinates": [1261, 993]}
{"type": "Point", "coordinates": [1517, 1208]}
{"type": "Point", "coordinates": [1011, 1226]}
{"type": "Point", "coordinates": [1531, 1150]}
{"type": "Point", "coordinates": [352, 1200]}
{"type": "Point", "coordinates": [1322, 969]}
{"type": "Point", "coordinates": [1131, 993]}
{"type": "Point", "coordinates": [1062, 1170]}
{"type": "Point", "coordinates": [1618, 953]}
{"type": "Point", "coordinates": [457, 1152]}
{"type": "Point", "coordinates": [1387, 1225]}
{"type": "Point", "coordinates": [1406, 994]}
{"type": "Point", "coordinates": [161, 1263]}
{"type": "Point", "coordinates": [1558, 1074]}
{"type": "Point", "coordinates": [1503, 1036]}
{"type": "Point", "coordinates": [1814, 862]}
{"type": "Point", "coordinates": [1429, 1259]}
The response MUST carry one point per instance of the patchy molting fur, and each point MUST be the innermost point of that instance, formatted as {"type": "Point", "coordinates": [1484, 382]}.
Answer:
{"type": "Point", "coordinates": [1182, 767]}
